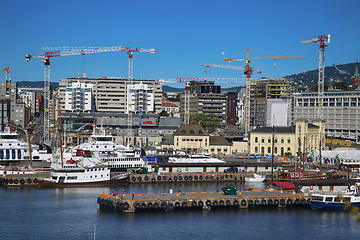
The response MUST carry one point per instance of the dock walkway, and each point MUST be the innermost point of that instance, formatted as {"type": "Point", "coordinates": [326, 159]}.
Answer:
{"type": "Point", "coordinates": [203, 200]}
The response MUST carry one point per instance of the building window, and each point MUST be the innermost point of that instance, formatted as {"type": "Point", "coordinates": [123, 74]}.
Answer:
{"type": "Point", "coordinates": [269, 140]}
{"type": "Point", "coordinates": [288, 140]}
{"type": "Point", "coordinates": [256, 139]}
{"type": "Point", "coordinates": [275, 150]}
{"type": "Point", "coordinates": [256, 149]}
{"type": "Point", "coordinates": [269, 150]}
{"type": "Point", "coordinates": [262, 140]}
{"type": "Point", "coordinates": [212, 150]}
{"type": "Point", "coordinates": [282, 140]}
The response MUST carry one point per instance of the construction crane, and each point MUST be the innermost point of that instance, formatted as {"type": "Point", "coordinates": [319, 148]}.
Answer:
{"type": "Point", "coordinates": [324, 42]}
{"type": "Point", "coordinates": [248, 72]}
{"type": "Point", "coordinates": [130, 51]}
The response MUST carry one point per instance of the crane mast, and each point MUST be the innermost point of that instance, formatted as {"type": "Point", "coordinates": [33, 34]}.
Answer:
{"type": "Point", "coordinates": [324, 42]}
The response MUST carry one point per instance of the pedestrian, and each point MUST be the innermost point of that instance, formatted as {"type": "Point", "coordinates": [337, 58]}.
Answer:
{"type": "Point", "coordinates": [143, 195]}
{"type": "Point", "coordinates": [115, 193]}
{"type": "Point", "coordinates": [112, 192]}
{"type": "Point", "coordinates": [133, 196]}
{"type": "Point", "coordinates": [123, 195]}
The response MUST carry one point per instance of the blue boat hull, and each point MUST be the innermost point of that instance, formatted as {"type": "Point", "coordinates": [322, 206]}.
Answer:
{"type": "Point", "coordinates": [330, 205]}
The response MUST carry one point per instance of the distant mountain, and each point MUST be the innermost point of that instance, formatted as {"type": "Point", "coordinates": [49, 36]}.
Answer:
{"type": "Point", "coordinates": [333, 74]}
{"type": "Point", "coordinates": [35, 84]}
{"type": "Point", "coordinates": [172, 89]}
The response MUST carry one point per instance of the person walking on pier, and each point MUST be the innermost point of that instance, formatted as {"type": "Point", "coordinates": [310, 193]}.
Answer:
{"type": "Point", "coordinates": [133, 196]}
{"type": "Point", "coordinates": [123, 195]}
{"type": "Point", "coordinates": [143, 195]}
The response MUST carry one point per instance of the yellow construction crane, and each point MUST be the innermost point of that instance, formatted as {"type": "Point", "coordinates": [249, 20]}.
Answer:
{"type": "Point", "coordinates": [248, 71]}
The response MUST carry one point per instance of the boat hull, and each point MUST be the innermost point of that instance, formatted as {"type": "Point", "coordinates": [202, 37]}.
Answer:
{"type": "Point", "coordinates": [330, 205]}
{"type": "Point", "coordinates": [114, 182]}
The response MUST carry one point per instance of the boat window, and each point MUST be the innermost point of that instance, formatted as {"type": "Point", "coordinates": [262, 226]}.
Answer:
{"type": "Point", "coordinates": [19, 154]}
{"type": "Point", "coordinates": [72, 178]}
{"type": "Point", "coordinates": [346, 199]}
{"type": "Point", "coordinates": [13, 154]}
{"type": "Point", "coordinates": [7, 154]}
{"type": "Point", "coordinates": [54, 178]}
{"type": "Point", "coordinates": [1, 154]}
{"type": "Point", "coordinates": [338, 199]}
{"type": "Point", "coordinates": [328, 199]}
{"type": "Point", "coordinates": [317, 198]}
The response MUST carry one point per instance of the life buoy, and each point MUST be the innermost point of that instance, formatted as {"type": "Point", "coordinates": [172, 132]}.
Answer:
{"type": "Point", "coordinates": [22, 181]}
{"type": "Point", "coordinates": [133, 179]}
{"type": "Point", "coordinates": [143, 206]}
{"type": "Point", "coordinates": [16, 181]}
{"type": "Point", "coordinates": [228, 203]}
{"type": "Point", "coordinates": [270, 202]}
{"type": "Point", "coordinates": [29, 181]}
{"type": "Point", "coordinates": [156, 205]}
{"type": "Point", "coordinates": [180, 178]}
{"type": "Point", "coordinates": [150, 205]}
{"type": "Point", "coordinates": [289, 202]}
{"type": "Point", "coordinates": [190, 178]}
{"type": "Point", "coordinates": [276, 202]}
{"type": "Point", "coordinates": [186, 178]}
{"type": "Point", "coordinates": [11, 181]}
{"type": "Point", "coordinates": [236, 203]}
{"type": "Point", "coordinates": [257, 202]}
{"type": "Point", "coordinates": [217, 178]}
{"type": "Point", "coordinates": [175, 178]}
{"type": "Point", "coordinates": [139, 179]}
{"type": "Point", "coordinates": [164, 177]}
{"type": "Point", "coordinates": [208, 203]}
{"type": "Point", "coordinates": [201, 177]}
{"type": "Point", "coordinates": [211, 177]}
{"type": "Point", "coordinates": [263, 202]}
{"type": "Point", "coordinates": [196, 178]}
{"type": "Point", "coordinates": [221, 203]}
{"type": "Point", "coordinates": [153, 180]}
{"type": "Point", "coordinates": [183, 204]}
{"type": "Point", "coordinates": [201, 204]}
{"type": "Point", "coordinates": [235, 178]}
{"type": "Point", "coordinates": [119, 205]}
{"type": "Point", "coordinates": [215, 203]}
{"type": "Point", "coordinates": [137, 205]}
{"type": "Point", "coordinates": [250, 203]}
{"type": "Point", "coordinates": [311, 187]}
{"type": "Point", "coordinates": [297, 201]}
{"type": "Point", "coordinates": [146, 178]}
{"type": "Point", "coordinates": [159, 178]}
{"type": "Point", "coordinates": [194, 204]}
{"type": "Point", "coordinates": [177, 204]}
{"type": "Point", "coordinates": [163, 205]}
{"type": "Point", "coordinates": [35, 180]}
{"type": "Point", "coordinates": [282, 202]}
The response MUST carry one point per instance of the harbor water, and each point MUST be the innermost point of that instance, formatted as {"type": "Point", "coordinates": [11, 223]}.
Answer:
{"type": "Point", "coordinates": [72, 213]}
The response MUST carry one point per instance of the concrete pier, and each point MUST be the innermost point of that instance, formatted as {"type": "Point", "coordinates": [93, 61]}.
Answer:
{"type": "Point", "coordinates": [202, 200]}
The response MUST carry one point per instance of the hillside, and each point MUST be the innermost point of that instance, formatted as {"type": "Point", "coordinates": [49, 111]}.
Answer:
{"type": "Point", "coordinates": [344, 72]}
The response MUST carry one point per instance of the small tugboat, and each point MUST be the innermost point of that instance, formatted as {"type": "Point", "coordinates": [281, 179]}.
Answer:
{"type": "Point", "coordinates": [334, 200]}
{"type": "Point", "coordinates": [256, 178]}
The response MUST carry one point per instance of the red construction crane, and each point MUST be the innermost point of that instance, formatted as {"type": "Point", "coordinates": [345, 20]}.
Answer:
{"type": "Point", "coordinates": [248, 71]}
{"type": "Point", "coordinates": [324, 42]}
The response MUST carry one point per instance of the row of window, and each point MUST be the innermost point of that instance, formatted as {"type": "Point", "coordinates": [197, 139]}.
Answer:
{"type": "Point", "coordinates": [269, 140]}
{"type": "Point", "coordinates": [5, 154]}
{"type": "Point", "coordinates": [282, 149]}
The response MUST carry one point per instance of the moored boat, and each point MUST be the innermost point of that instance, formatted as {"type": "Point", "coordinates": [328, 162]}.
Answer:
{"type": "Point", "coordinates": [83, 177]}
{"type": "Point", "coordinates": [256, 178]}
{"type": "Point", "coordinates": [336, 200]}
{"type": "Point", "coordinates": [199, 158]}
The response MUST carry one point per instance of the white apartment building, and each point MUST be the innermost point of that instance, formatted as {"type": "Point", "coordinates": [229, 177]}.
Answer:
{"type": "Point", "coordinates": [79, 97]}
{"type": "Point", "coordinates": [341, 111]}
{"type": "Point", "coordinates": [140, 96]}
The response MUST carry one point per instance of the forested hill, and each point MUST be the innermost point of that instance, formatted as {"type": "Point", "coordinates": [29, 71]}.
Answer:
{"type": "Point", "coordinates": [338, 73]}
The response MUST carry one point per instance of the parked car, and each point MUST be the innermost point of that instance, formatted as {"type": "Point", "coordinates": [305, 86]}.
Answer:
{"type": "Point", "coordinates": [231, 170]}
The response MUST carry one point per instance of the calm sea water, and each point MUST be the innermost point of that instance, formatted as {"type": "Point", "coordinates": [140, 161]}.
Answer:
{"type": "Point", "coordinates": [72, 213]}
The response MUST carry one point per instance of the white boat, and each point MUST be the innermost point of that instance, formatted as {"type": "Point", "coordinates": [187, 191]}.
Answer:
{"type": "Point", "coordinates": [15, 151]}
{"type": "Point", "coordinates": [336, 200]}
{"type": "Point", "coordinates": [83, 177]}
{"type": "Point", "coordinates": [101, 149]}
{"type": "Point", "coordinates": [199, 158]}
{"type": "Point", "coordinates": [256, 178]}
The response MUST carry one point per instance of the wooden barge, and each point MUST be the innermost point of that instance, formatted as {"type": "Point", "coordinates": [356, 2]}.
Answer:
{"type": "Point", "coordinates": [201, 200]}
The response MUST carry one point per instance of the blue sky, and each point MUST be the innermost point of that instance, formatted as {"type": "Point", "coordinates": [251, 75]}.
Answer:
{"type": "Point", "coordinates": [184, 33]}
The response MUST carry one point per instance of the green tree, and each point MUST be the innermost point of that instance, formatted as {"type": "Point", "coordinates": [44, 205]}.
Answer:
{"type": "Point", "coordinates": [210, 122]}
{"type": "Point", "coordinates": [340, 85]}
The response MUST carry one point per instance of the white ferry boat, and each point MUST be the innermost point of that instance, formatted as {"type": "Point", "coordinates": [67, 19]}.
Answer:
{"type": "Point", "coordinates": [14, 150]}
{"type": "Point", "coordinates": [199, 158]}
{"type": "Point", "coordinates": [101, 149]}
